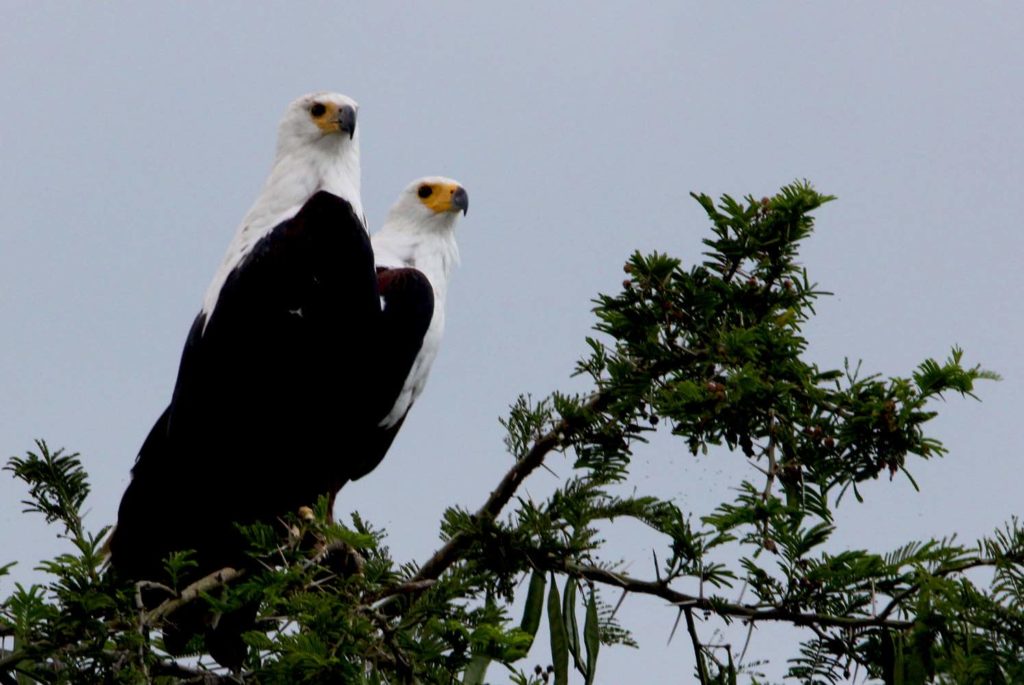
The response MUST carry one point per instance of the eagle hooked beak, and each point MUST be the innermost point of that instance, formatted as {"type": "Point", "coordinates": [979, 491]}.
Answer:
{"type": "Point", "coordinates": [347, 120]}
{"type": "Point", "coordinates": [460, 200]}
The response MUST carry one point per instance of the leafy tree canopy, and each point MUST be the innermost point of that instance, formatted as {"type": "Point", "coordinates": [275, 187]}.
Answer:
{"type": "Point", "coordinates": [713, 354]}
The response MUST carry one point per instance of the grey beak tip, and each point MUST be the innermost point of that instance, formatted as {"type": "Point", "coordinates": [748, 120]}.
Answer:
{"type": "Point", "coordinates": [461, 200]}
{"type": "Point", "coordinates": [347, 120]}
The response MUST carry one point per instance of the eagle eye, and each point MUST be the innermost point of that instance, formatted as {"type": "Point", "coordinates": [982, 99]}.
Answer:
{"type": "Point", "coordinates": [424, 191]}
{"type": "Point", "coordinates": [317, 110]}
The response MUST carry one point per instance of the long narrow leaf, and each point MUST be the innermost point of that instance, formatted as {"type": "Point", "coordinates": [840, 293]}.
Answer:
{"type": "Point", "coordinates": [559, 648]}
{"type": "Point", "coordinates": [591, 636]}
{"type": "Point", "coordinates": [534, 604]}
{"type": "Point", "coordinates": [572, 631]}
{"type": "Point", "coordinates": [476, 670]}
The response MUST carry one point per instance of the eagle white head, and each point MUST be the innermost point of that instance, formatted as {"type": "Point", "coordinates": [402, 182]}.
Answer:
{"type": "Point", "coordinates": [431, 203]}
{"type": "Point", "coordinates": [317, 149]}
{"type": "Point", "coordinates": [419, 231]}
{"type": "Point", "coordinates": [322, 120]}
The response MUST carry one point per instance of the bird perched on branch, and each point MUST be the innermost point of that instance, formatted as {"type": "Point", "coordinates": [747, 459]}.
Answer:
{"type": "Point", "coordinates": [298, 370]}
{"type": "Point", "coordinates": [415, 252]}
{"type": "Point", "coordinates": [270, 376]}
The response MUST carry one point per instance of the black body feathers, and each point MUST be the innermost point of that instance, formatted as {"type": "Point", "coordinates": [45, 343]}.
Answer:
{"type": "Point", "coordinates": [279, 394]}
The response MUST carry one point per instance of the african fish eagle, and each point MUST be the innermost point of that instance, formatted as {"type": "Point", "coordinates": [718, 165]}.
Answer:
{"type": "Point", "coordinates": [270, 408]}
{"type": "Point", "coordinates": [415, 252]}
{"type": "Point", "coordinates": [300, 367]}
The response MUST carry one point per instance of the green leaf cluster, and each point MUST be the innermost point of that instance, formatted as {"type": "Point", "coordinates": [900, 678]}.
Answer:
{"type": "Point", "coordinates": [712, 356]}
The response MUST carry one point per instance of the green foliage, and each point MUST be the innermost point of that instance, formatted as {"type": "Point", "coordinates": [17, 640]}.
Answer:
{"type": "Point", "coordinates": [57, 485]}
{"type": "Point", "coordinates": [60, 629]}
{"type": "Point", "coordinates": [712, 354]}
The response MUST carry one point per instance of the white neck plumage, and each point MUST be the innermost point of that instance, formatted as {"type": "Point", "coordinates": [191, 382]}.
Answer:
{"type": "Point", "coordinates": [410, 238]}
{"type": "Point", "coordinates": [300, 170]}
{"type": "Point", "coordinates": [298, 174]}
{"type": "Point", "coordinates": [429, 247]}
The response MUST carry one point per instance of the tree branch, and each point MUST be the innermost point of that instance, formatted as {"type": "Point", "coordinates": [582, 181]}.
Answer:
{"type": "Point", "coordinates": [773, 470]}
{"type": "Point", "coordinates": [190, 593]}
{"type": "Point", "coordinates": [191, 675]}
{"type": "Point", "coordinates": [744, 611]}
{"type": "Point", "coordinates": [949, 570]}
{"type": "Point", "coordinates": [410, 587]}
{"type": "Point", "coordinates": [702, 671]}
{"type": "Point", "coordinates": [443, 558]}
{"type": "Point", "coordinates": [10, 659]}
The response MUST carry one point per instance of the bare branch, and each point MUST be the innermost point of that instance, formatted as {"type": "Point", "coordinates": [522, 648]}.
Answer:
{"type": "Point", "coordinates": [9, 659]}
{"type": "Point", "coordinates": [185, 674]}
{"type": "Point", "coordinates": [193, 591]}
{"type": "Point", "coordinates": [408, 588]}
{"type": "Point", "coordinates": [746, 643]}
{"type": "Point", "coordinates": [672, 634]}
{"type": "Point", "coordinates": [443, 558]}
{"type": "Point", "coordinates": [744, 611]}
{"type": "Point", "coordinates": [702, 670]}
{"type": "Point", "coordinates": [773, 470]}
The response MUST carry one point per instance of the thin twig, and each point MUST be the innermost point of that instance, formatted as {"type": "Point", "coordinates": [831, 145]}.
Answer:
{"type": "Point", "coordinates": [675, 625]}
{"type": "Point", "coordinates": [140, 607]}
{"type": "Point", "coordinates": [408, 588]}
{"type": "Point", "coordinates": [773, 470]}
{"type": "Point", "coordinates": [332, 547]}
{"type": "Point", "coordinates": [949, 570]}
{"type": "Point", "coordinates": [702, 671]}
{"type": "Point", "coordinates": [619, 603]}
{"type": "Point", "coordinates": [746, 643]}
{"type": "Point", "coordinates": [153, 585]}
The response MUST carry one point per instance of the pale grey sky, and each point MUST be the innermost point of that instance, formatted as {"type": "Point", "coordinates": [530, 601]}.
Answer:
{"type": "Point", "coordinates": [133, 137]}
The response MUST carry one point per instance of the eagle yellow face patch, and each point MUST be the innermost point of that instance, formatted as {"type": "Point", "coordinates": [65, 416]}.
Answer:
{"type": "Point", "coordinates": [325, 116]}
{"type": "Point", "coordinates": [438, 196]}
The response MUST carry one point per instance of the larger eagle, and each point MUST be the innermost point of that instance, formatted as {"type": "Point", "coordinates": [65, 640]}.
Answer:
{"type": "Point", "coordinates": [303, 361]}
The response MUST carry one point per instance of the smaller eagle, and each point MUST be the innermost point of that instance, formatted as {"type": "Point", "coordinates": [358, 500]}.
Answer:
{"type": "Point", "coordinates": [414, 253]}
